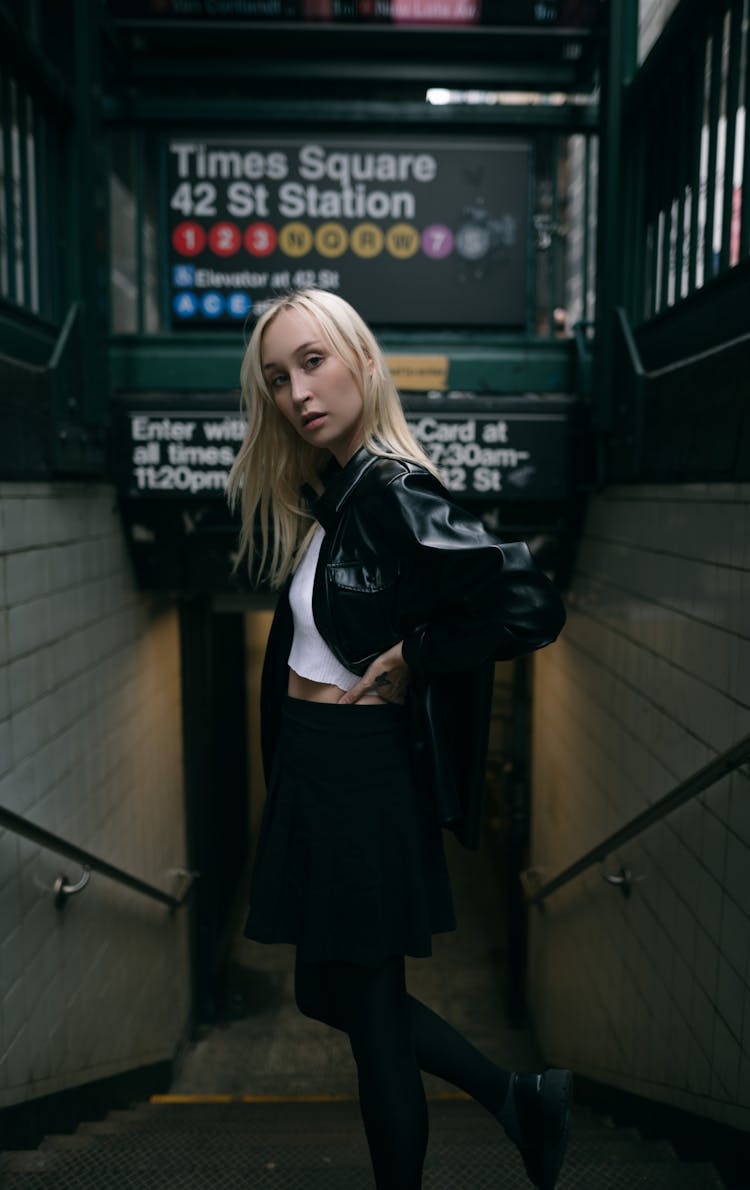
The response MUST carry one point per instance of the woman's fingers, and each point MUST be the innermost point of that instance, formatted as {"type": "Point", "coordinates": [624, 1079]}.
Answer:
{"type": "Point", "coordinates": [387, 677]}
{"type": "Point", "coordinates": [361, 690]}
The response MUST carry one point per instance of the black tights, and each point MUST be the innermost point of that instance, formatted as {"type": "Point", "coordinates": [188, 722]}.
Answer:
{"type": "Point", "coordinates": [393, 1037]}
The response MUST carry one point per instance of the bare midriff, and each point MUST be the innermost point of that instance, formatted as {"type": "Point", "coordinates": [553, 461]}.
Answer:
{"type": "Point", "coordinates": [311, 691]}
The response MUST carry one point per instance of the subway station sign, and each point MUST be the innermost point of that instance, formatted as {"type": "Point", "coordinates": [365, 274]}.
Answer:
{"type": "Point", "coordinates": [430, 232]}
{"type": "Point", "coordinates": [485, 450]}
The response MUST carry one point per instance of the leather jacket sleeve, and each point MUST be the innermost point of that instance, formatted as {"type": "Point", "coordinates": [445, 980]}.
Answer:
{"type": "Point", "coordinates": [474, 598]}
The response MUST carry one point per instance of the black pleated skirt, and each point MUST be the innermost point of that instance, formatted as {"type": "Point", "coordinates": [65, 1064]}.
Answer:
{"type": "Point", "coordinates": [350, 862]}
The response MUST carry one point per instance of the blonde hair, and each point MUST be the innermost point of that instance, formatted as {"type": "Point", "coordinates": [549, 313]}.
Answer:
{"type": "Point", "coordinates": [274, 461]}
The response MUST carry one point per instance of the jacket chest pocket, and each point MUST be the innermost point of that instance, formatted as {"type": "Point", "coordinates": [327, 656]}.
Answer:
{"type": "Point", "coordinates": [362, 601]}
{"type": "Point", "coordinates": [360, 578]}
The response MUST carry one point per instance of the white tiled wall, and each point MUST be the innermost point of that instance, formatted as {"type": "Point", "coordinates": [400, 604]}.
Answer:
{"type": "Point", "coordinates": [649, 680]}
{"type": "Point", "coordinates": [652, 17]}
{"type": "Point", "coordinates": [90, 748]}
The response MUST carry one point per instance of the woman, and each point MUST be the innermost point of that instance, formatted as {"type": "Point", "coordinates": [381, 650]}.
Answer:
{"type": "Point", "coordinates": [375, 705]}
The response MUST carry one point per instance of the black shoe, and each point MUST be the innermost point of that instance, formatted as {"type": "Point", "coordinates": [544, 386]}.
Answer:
{"type": "Point", "coordinates": [536, 1116]}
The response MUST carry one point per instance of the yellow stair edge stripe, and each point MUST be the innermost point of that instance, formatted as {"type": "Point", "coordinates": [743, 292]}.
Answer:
{"type": "Point", "coordinates": [283, 1098]}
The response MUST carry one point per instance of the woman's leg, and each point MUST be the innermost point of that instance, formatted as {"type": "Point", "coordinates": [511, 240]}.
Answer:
{"type": "Point", "coordinates": [370, 1003]}
{"type": "Point", "coordinates": [440, 1049]}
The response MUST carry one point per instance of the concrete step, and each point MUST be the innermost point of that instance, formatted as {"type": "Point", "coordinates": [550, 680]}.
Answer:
{"type": "Point", "coordinates": [206, 1116]}
{"type": "Point", "coordinates": [321, 1146]}
{"type": "Point", "coordinates": [233, 1142]}
{"type": "Point", "coordinates": [327, 1173]}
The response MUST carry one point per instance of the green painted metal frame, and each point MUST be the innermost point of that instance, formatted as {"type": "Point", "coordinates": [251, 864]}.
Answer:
{"type": "Point", "coordinates": [27, 220]}
{"type": "Point", "coordinates": [138, 178]}
{"type": "Point", "coordinates": [674, 105]}
{"type": "Point", "coordinates": [745, 204]}
{"type": "Point", "coordinates": [175, 362]}
{"type": "Point", "coordinates": [664, 171]}
{"type": "Point", "coordinates": [618, 69]}
{"type": "Point", "coordinates": [698, 81]}
{"type": "Point", "coordinates": [731, 108]}
{"type": "Point", "coordinates": [8, 102]}
{"type": "Point", "coordinates": [174, 112]}
{"type": "Point", "coordinates": [531, 269]}
{"type": "Point", "coordinates": [585, 218]}
{"type": "Point", "coordinates": [682, 92]}
{"type": "Point", "coordinates": [32, 92]}
{"type": "Point", "coordinates": [371, 57]}
{"type": "Point", "coordinates": [714, 107]}
{"type": "Point", "coordinates": [49, 310]}
{"type": "Point", "coordinates": [63, 113]}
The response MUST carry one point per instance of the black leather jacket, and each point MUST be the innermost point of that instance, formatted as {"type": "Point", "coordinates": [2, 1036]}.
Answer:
{"type": "Point", "coordinates": [401, 561]}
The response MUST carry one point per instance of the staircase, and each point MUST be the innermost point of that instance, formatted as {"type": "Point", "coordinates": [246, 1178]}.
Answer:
{"type": "Point", "coordinates": [313, 1145]}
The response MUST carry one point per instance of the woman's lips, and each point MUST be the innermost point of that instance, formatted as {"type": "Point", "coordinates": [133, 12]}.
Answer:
{"type": "Point", "coordinates": [314, 421]}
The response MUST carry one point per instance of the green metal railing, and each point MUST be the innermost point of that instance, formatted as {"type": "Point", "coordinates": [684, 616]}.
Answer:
{"type": "Point", "coordinates": [686, 202]}
{"type": "Point", "coordinates": [698, 782]}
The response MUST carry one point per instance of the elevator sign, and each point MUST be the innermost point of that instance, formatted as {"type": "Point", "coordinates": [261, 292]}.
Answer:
{"type": "Point", "coordinates": [431, 233]}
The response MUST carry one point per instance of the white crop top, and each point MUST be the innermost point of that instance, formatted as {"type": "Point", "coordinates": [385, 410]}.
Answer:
{"type": "Point", "coordinates": [310, 656]}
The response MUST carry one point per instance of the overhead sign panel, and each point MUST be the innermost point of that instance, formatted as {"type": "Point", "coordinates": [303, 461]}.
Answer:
{"type": "Point", "coordinates": [484, 450]}
{"type": "Point", "coordinates": [428, 232]}
{"type": "Point", "coordinates": [508, 13]}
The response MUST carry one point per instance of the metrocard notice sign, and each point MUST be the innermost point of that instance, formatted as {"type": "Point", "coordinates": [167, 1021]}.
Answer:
{"type": "Point", "coordinates": [430, 232]}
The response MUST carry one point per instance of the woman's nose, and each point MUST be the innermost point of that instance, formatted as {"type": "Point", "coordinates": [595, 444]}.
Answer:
{"type": "Point", "coordinates": [300, 387]}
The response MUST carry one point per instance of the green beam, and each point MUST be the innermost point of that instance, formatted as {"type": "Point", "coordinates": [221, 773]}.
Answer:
{"type": "Point", "coordinates": [194, 363]}
{"type": "Point", "coordinates": [202, 111]}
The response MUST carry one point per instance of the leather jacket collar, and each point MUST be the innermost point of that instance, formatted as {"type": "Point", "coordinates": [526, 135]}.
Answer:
{"type": "Point", "coordinates": [340, 482]}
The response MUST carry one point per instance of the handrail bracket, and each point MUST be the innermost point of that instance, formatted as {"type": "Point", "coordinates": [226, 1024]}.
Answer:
{"type": "Point", "coordinates": [63, 889]}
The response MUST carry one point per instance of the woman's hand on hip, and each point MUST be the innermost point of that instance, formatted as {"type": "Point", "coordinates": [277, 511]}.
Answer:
{"type": "Point", "coordinates": [387, 676]}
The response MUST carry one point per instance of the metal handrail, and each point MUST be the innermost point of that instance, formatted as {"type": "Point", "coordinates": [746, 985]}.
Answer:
{"type": "Point", "coordinates": [38, 834]}
{"type": "Point", "coordinates": [712, 772]}
{"type": "Point", "coordinates": [688, 361]}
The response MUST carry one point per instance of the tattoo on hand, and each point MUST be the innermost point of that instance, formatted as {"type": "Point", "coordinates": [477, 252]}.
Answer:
{"type": "Point", "coordinates": [383, 679]}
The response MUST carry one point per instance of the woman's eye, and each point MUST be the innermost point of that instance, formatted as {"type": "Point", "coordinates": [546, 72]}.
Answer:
{"type": "Point", "coordinates": [277, 381]}
{"type": "Point", "coordinates": [313, 361]}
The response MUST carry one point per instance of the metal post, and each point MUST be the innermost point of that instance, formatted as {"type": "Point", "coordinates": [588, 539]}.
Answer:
{"type": "Point", "coordinates": [616, 70]}
{"type": "Point", "coordinates": [83, 214]}
{"type": "Point", "coordinates": [518, 842]}
{"type": "Point", "coordinates": [745, 206]}
{"type": "Point", "coordinates": [7, 100]}
{"type": "Point", "coordinates": [585, 312]}
{"type": "Point", "coordinates": [698, 85]}
{"type": "Point", "coordinates": [26, 212]}
{"type": "Point", "coordinates": [714, 111]}
{"type": "Point", "coordinates": [731, 107]}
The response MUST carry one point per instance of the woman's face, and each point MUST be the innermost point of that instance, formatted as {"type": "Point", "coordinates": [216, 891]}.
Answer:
{"type": "Point", "coordinates": [312, 388]}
